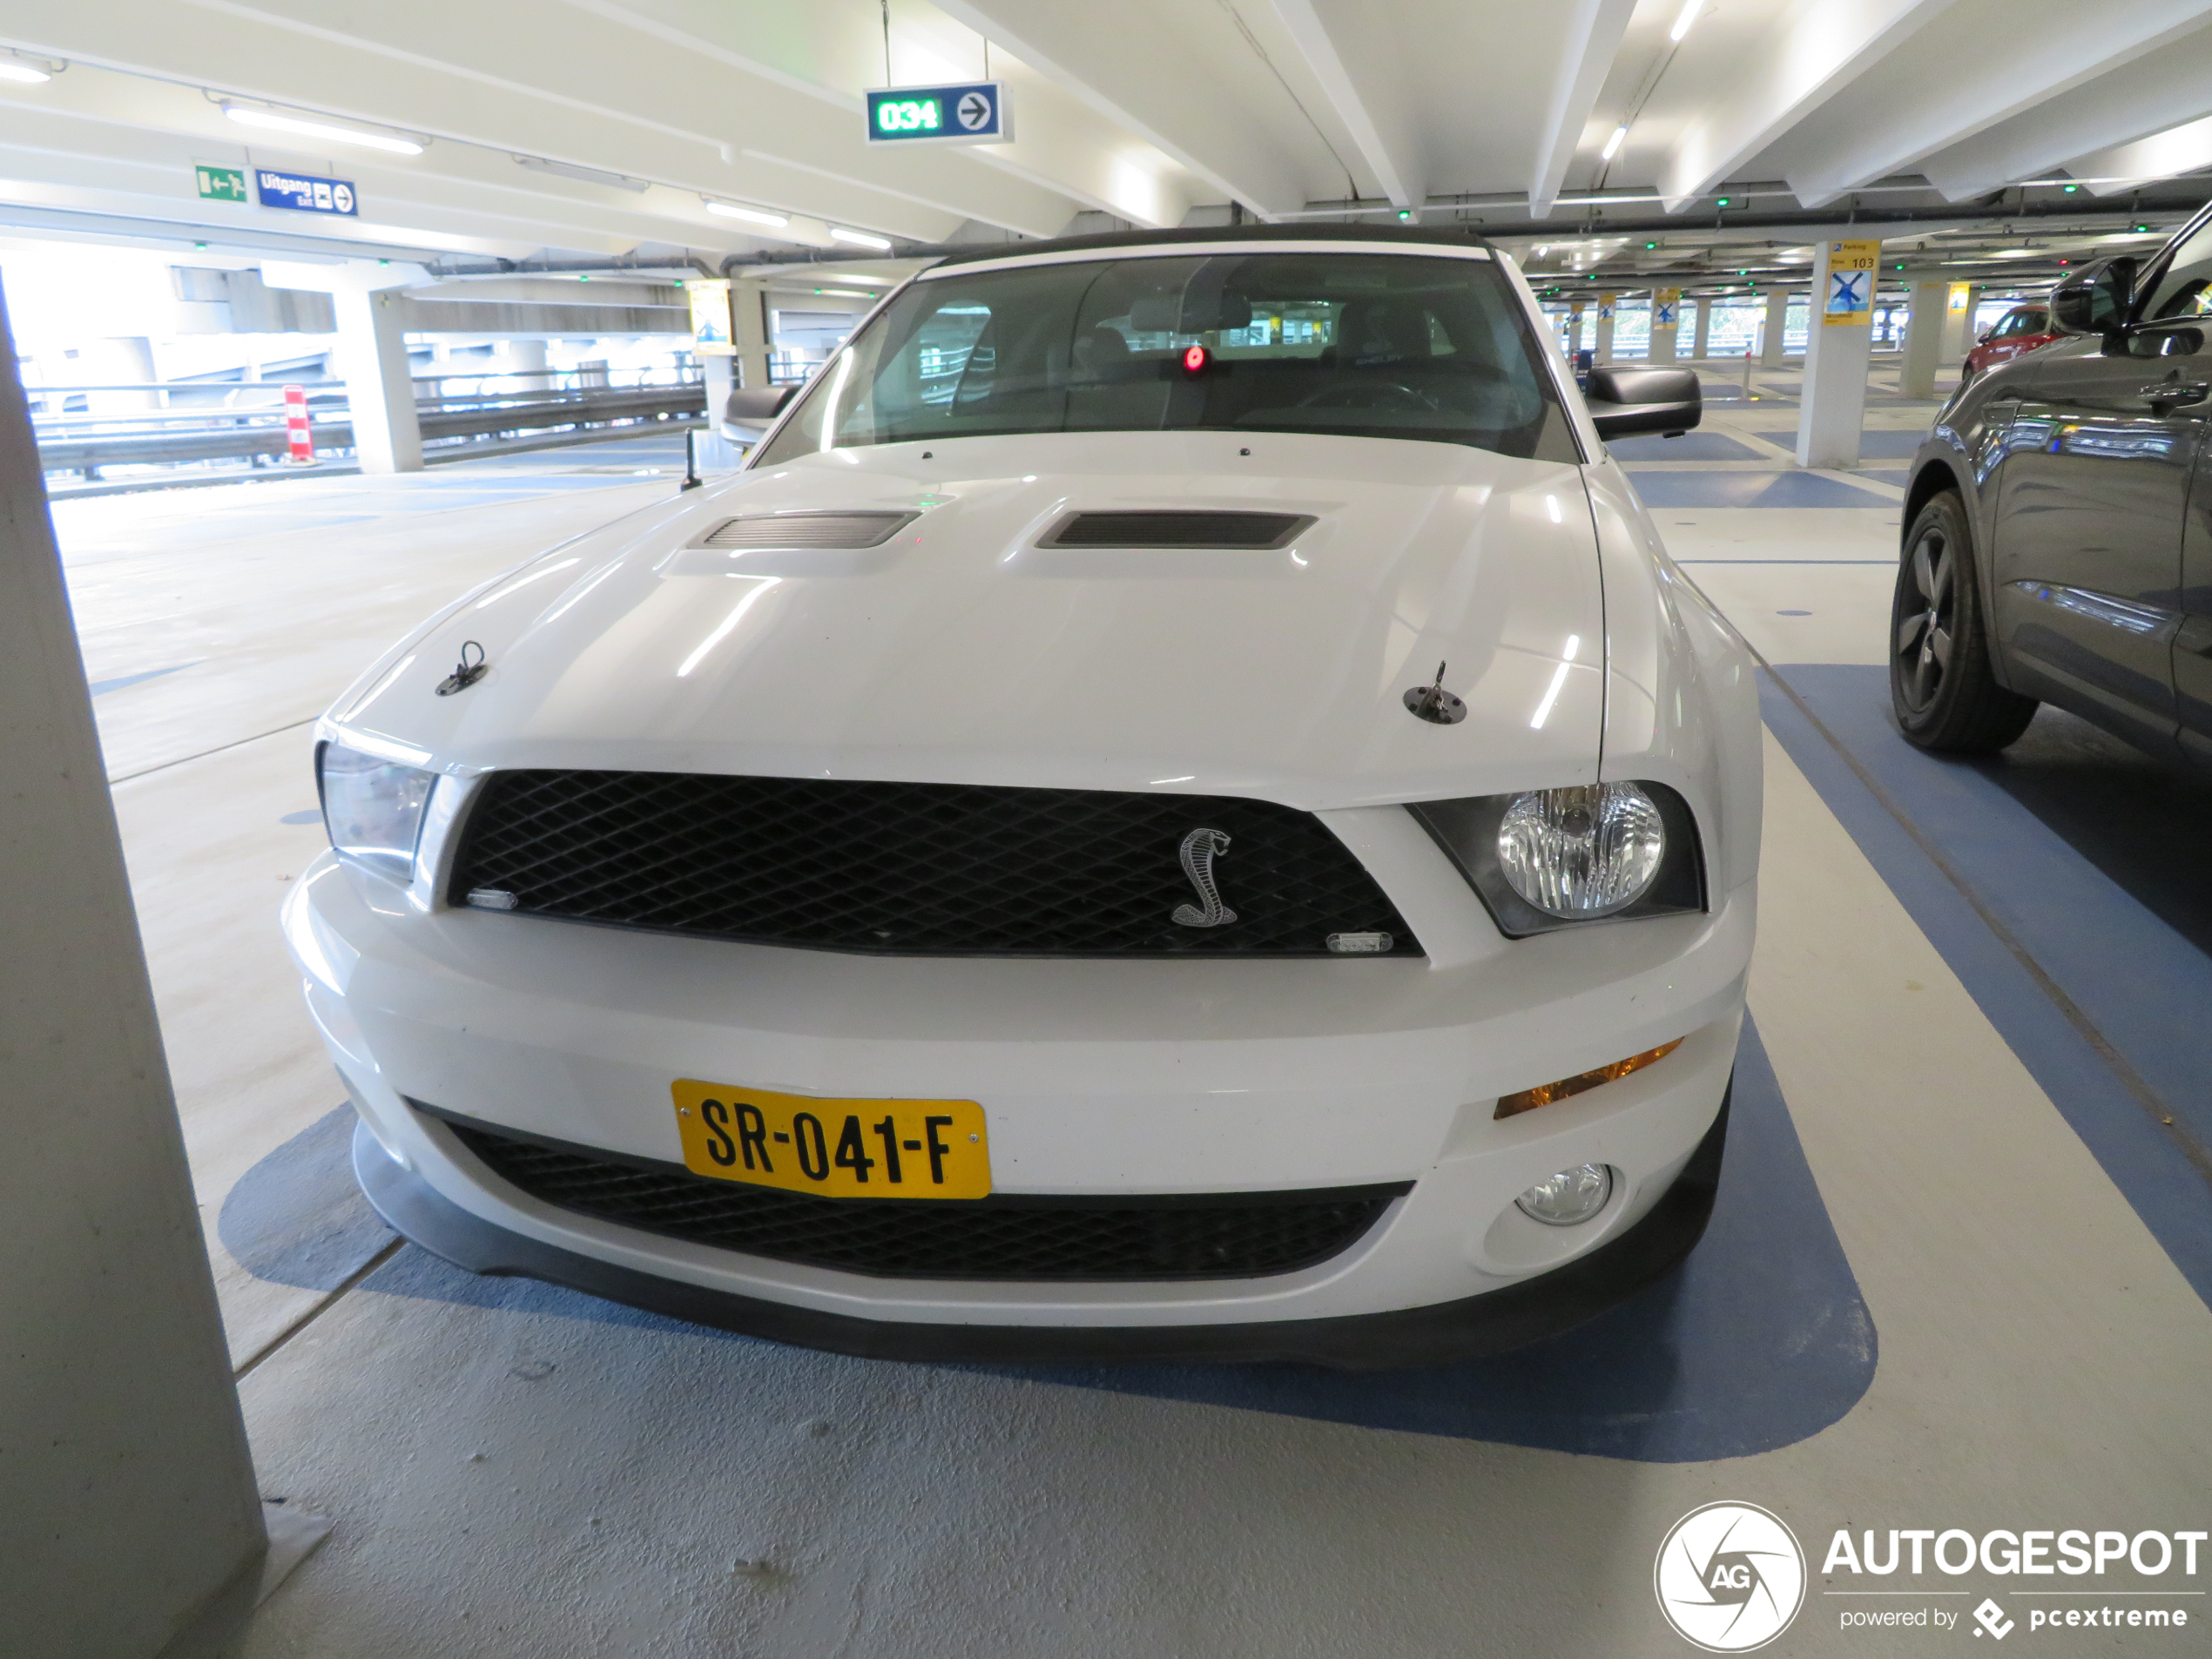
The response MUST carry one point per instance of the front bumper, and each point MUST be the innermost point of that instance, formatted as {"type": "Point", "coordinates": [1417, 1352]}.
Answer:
{"type": "Point", "coordinates": [1520, 1314]}
{"type": "Point", "coordinates": [1099, 1078]}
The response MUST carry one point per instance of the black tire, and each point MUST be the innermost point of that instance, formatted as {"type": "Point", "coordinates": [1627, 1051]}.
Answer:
{"type": "Point", "coordinates": [1946, 697]}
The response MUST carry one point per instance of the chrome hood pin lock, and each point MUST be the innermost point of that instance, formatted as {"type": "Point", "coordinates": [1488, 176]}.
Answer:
{"type": "Point", "coordinates": [1434, 704]}
{"type": "Point", "coordinates": [466, 672]}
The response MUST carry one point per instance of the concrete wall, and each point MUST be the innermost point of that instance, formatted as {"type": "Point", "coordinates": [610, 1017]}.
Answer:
{"type": "Point", "coordinates": [128, 1514]}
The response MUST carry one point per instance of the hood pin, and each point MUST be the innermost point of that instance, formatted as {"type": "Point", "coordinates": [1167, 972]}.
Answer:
{"type": "Point", "coordinates": [466, 673]}
{"type": "Point", "coordinates": [1434, 704]}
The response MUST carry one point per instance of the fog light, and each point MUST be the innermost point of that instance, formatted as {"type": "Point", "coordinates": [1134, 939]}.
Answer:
{"type": "Point", "coordinates": [1571, 1197]}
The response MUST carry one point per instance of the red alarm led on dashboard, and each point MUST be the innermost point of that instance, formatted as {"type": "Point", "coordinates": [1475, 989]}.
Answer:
{"type": "Point", "coordinates": [1194, 359]}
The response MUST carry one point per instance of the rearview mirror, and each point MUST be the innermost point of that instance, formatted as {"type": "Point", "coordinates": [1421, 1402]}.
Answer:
{"type": "Point", "coordinates": [1624, 401]}
{"type": "Point", "coordinates": [753, 410]}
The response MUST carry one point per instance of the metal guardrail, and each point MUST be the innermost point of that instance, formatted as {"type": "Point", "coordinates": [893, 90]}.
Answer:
{"type": "Point", "coordinates": [253, 434]}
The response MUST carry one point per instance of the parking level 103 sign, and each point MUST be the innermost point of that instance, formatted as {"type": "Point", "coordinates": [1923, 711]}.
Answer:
{"type": "Point", "coordinates": [1851, 283]}
{"type": "Point", "coordinates": [973, 113]}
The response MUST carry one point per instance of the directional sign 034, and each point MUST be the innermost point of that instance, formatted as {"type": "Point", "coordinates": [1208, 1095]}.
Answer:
{"type": "Point", "coordinates": [969, 113]}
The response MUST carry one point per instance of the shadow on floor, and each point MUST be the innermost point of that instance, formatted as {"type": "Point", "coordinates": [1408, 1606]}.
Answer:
{"type": "Point", "coordinates": [2141, 821]}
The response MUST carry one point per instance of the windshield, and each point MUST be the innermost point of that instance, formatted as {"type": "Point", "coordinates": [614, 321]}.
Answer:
{"type": "Point", "coordinates": [1363, 345]}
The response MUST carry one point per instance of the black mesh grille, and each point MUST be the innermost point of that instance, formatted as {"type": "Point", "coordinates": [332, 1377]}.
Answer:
{"type": "Point", "coordinates": [929, 869]}
{"type": "Point", "coordinates": [1234, 1236]}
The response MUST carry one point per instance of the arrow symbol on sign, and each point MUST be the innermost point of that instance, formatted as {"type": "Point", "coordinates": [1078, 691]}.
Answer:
{"type": "Point", "coordinates": [975, 111]}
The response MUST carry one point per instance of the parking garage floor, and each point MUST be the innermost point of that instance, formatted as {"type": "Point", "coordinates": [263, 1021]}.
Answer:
{"type": "Point", "coordinates": [1959, 1276]}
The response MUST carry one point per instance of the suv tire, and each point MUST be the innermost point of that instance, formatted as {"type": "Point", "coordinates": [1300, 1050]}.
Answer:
{"type": "Point", "coordinates": [1942, 685]}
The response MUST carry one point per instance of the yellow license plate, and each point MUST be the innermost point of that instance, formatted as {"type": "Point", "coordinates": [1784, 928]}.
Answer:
{"type": "Point", "coordinates": [839, 1149]}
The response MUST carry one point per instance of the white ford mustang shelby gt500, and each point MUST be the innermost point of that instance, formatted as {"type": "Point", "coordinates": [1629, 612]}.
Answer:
{"type": "Point", "coordinates": [1175, 809]}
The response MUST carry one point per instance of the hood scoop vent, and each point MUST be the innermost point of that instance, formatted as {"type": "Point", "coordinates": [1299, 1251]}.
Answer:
{"type": "Point", "coordinates": [1253, 532]}
{"type": "Point", "coordinates": [801, 530]}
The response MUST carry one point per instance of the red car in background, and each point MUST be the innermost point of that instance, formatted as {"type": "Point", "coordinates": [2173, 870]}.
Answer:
{"type": "Point", "coordinates": [2021, 329]}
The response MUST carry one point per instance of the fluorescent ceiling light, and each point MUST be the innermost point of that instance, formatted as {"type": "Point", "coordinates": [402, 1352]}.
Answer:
{"type": "Point", "coordinates": [584, 175]}
{"type": "Point", "coordinates": [1681, 25]}
{"type": "Point", "coordinates": [875, 281]}
{"type": "Point", "coordinates": [1610, 197]}
{"type": "Point", "coordinates": [751, 215]}
{"type": "Point", "coordinates": [274, 122]}
{"type": "Point", "coordinates": [847, 294]}
{"type": "Point", "coordinates": [10, 70]}
{"type": "Point", "coordinates": [860, 239]}
{"type": "Point", "coordinates": [1612, 144]}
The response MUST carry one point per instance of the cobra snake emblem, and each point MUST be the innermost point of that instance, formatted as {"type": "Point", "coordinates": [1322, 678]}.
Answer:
{"type": "Point", "coordinates": [1200, 849]}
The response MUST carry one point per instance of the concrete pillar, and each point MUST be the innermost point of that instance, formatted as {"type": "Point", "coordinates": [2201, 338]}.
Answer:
{"type": "Point", "coordinates": [1924, 328]}
{"type": "Point", "coordinates": [1777, 321]}
{"type": "Point", "coordinates": [1607, 303]}
{"type": "Point", "coordinates": [716, 452]}
{"type": "Point", "coordinates": [528, 357]}
{"type": "Point", "coordinates": [1666, 321]}
{"type": "Point", "coordinates": [1701, 346]}
{"type": "Point", "coordinates": [1959, 325]}
{"type": "Point", "coordinates": [379, 389]}
{"type": "Point", "coordinates": [1574, 319]}
{"type": "Point", "coordinates": [371, 352]}
{"type": "Point", "coordinates": [749, 331]}
{"type": "Point", "coordinates": [1832, 407]}
{"type": "Point", "coordinates": [128, 1516]}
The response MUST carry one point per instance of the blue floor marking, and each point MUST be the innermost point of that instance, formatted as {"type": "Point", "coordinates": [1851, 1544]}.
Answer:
{"type": "Point", "coordinates": [1691, 446]}
{"type": "Point", "coordinates": [1660, 490]}
{"type": "Point", "coordinates": [1760, 1341]}
{"type": "Point", "coordinates": [1874, 443]}
{"type": "Point", "coordinates": [2143, 985]}
{"type": "Point", "coordinates": [101, 688]}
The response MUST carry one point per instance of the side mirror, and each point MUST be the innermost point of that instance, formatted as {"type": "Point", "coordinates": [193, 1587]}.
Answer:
{"type": "Point", "coordinates": [2094, 299]}
{"type": "Point", "coordinates": [753, 410]}
{"type": "Point", "coordinates": [1624, 401]}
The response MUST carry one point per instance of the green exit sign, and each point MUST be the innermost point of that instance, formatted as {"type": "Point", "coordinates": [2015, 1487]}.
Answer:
{"type": "Point", "coordinates": [220, 184]}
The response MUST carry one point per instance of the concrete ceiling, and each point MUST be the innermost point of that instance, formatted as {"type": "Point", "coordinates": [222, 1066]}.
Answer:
{"type": "Point", "coordinates": [1914, 113]}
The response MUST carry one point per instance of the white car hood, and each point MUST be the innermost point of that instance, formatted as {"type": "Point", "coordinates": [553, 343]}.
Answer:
{"type": "Point", "coordinates": [964, 652]}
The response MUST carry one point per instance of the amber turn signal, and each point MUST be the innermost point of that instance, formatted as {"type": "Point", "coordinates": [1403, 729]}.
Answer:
{"type": "Point", "coordinates": [1544, 1094]}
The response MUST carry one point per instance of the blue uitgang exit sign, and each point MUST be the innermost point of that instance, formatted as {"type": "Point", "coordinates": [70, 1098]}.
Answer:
{"type": "Point", "coordinates": [304, 192]}
{"type": "Point", "coordinates": [973, 113]}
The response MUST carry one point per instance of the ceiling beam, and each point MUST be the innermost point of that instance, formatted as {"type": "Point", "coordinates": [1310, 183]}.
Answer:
{"type": "Point", "coordinates": [1972, 79]}
{"type": "Point", "coordinates": [2187, 148]}
{"type": "Point", "coordinates": [1352, 52]}
{"type": "Point", "coordinates": [1121, 72]}
{"type": "Point", "coordinates": [1812, 51]}
{"type": "Point", "coordinates": [1593, 39]}
{"type": "Point", "coordinates": [2155, 92]}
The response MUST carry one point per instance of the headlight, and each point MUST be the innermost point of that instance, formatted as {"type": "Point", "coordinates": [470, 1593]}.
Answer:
{"type": "Point", "coordinates": [372, 809]}
{"type": "Point", "coordinates": [1588, 851]}
{"type": "Point", "coordinates": [1546, 859]}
